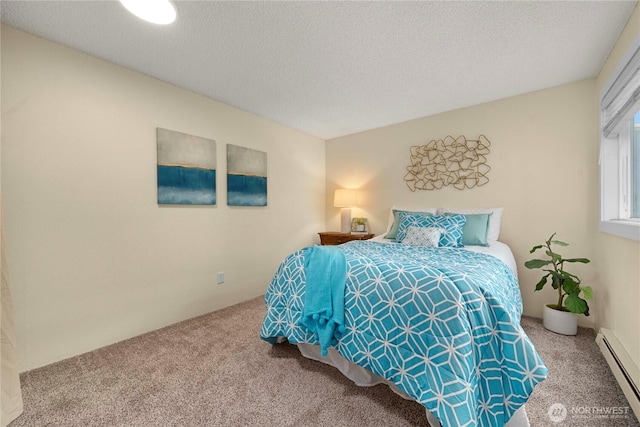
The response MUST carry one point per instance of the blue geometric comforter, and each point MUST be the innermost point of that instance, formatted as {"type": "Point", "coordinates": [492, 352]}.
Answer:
{"type": "Point", "coordinates": [443, 324]}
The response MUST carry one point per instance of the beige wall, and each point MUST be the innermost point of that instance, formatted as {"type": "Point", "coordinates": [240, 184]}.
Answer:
{"type": "Point", "coordinates": [543, 172]}
{"type": "Point", "coordinates": [619, 258]}
{"type": "Point", "coordinates": [93, 258]}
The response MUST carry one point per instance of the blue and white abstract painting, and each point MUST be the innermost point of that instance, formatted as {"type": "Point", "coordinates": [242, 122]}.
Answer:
{"type": "Point", "coordinates": [186, 169]}
{"type": "Point", "coordinates": [246, 176]}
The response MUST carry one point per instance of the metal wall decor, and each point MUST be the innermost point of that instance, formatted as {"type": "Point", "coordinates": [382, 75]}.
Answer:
{"type": "Point", "coordinates": [459, 162]}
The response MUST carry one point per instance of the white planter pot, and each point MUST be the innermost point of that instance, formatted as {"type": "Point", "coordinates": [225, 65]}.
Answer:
{"type": "Point", "coordinates": [561, 322]}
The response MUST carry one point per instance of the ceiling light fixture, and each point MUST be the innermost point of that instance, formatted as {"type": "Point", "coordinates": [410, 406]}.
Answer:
{"type": "Point", "coordinates": [155, 11]}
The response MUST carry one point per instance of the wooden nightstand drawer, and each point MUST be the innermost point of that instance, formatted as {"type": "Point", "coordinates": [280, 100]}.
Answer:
{"type": "Point", "coordinates": [337, 238]}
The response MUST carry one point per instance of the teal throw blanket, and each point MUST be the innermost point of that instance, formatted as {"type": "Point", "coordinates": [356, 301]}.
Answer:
{"type": "Point", "coordinates": [326, 274]}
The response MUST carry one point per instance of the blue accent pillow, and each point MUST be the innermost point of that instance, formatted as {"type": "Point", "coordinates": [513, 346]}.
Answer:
{"type": "Point", "coordinates": [451, 225]}
{"type": "Point", "coordinates": [393, 231]}
{"type": "Point", "coordinates": [475, 230]}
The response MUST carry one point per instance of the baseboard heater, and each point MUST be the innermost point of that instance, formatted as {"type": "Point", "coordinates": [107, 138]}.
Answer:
{"type": "Point", "coordinates": [624, 369]}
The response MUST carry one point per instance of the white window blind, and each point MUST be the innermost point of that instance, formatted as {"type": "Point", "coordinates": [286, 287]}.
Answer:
{"type": "Point", "coordinates": [623, 94]}
{"type": "Point", "coordinates": [619, 164]}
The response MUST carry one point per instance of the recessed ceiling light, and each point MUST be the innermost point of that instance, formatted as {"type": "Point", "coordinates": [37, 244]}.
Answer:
{"type": "Point", "coordinates": [155, 11]}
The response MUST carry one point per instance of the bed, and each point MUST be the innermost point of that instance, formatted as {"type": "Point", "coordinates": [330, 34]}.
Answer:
{"type": "Point", "coordinates": [416, 308]}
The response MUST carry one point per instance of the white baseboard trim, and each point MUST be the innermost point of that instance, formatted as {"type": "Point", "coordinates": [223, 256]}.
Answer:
{"type": "Point", "coordinates": [624, 369]}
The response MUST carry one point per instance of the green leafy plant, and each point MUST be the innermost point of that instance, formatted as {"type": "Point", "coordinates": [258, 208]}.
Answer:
{"type": "Point", "coordinates": [567, 284]}
{"type": "Point", "coordinates": [360, 221]}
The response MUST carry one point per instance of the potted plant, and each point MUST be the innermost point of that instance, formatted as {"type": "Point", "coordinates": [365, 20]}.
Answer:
{"type": "Point", "coordinates": [561, 317]}
{"type": "Point", "coordinates": [359, 225]}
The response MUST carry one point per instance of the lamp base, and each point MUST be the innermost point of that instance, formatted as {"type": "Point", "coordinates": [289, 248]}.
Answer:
{"type": "Point", "coordinates": [345, 220]}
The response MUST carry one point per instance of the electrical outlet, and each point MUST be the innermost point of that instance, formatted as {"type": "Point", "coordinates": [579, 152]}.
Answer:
{"type": "Point", "coordinates": [220, 277]}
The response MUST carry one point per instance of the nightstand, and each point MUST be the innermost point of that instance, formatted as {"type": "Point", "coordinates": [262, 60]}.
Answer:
{"type": "Point", "coordinates": [337, 238]}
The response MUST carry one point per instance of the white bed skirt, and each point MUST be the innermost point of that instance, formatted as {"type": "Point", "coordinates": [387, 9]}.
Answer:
{"type": "Point", "coordinates": [365, 378]}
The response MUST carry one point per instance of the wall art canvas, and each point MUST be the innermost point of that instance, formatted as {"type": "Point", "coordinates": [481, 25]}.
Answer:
{"type": "Point", "coordinates": [246, 176]}
{"type": "Point", "coordinates": [186, 169]}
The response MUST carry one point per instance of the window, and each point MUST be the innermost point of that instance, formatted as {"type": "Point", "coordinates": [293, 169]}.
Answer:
{"type": "Point", "coordinates": [635, 151]}
{"type": "Point", "coordinates": [620, 150]}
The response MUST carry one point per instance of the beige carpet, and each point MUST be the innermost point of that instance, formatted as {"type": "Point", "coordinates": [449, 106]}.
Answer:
{"type": "Point", "coordinates": [215, 371]}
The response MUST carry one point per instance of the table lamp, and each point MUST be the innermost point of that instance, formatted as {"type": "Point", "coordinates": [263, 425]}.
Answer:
{"type": "Point", "coordinates": [345, 198]}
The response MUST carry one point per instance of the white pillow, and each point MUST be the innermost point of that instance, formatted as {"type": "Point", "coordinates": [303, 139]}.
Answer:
{"type": "Point", "coordinates": [423, 236]}
{"type": "Point", "coordinates": [432, 211]}
{"type": "Point", "coordinates": [493, 232]}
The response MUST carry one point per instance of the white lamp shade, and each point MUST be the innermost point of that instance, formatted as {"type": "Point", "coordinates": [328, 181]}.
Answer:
{"type": "Point", "coordinates": [345, 198]}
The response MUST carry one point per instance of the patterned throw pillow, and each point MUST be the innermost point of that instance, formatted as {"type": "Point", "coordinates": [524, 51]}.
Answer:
{"type": "Point", "coordinates": [475, 230]}
{"type": "Point", "coordinates": [393, 230]}
{"type": "Point", "coordinates": [451, 225]}
{"type": "Point", "coordinates": [493, 232]}
{"type": "Point", "coordinates": [423, 236]}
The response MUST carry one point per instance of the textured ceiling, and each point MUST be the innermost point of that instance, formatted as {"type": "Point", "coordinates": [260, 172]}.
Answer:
{"type": "Point", "coordinates": [335, 68]}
